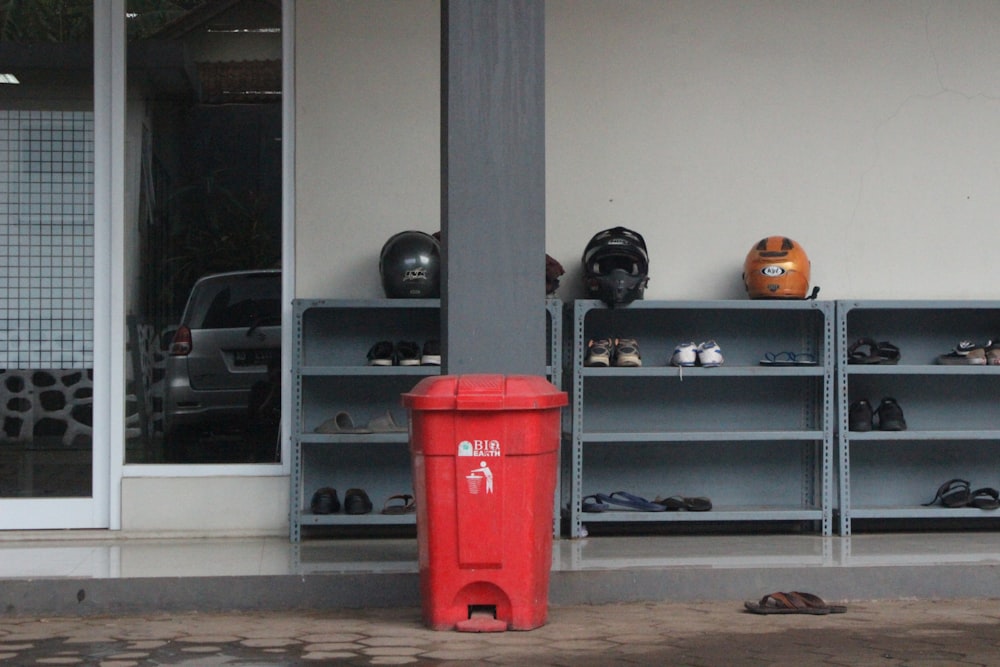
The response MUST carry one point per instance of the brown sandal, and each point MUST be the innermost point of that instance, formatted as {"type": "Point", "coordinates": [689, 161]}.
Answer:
{"type": "Point", "coordinates": [401, 503]}
{"type": "Point", "coordinates": [794, 602]}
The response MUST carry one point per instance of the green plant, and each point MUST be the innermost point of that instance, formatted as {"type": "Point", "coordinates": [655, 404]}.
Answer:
{"type": "Point", "coordinates": [220, 230]}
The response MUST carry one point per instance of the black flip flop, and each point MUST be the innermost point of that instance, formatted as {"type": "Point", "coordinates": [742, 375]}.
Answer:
{"type": "Point", "coordinates": [697, 504]}
{"type": "Point", "coordinates": [690, 504]}
{"type": "Point", "coordinates": [888, 352]}
{"type": "Point", "coordinates": [631, 501]}
{"type": "Point", "coordinates": [985, 499]}
{"type": "Point", "coordinates": [593, 504]}
{"type": "Point", "coordinates": [864, 351]}
{"type": "Point", "coordinates": [953, 493]}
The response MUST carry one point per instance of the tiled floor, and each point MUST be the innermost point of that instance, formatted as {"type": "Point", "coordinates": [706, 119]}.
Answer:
{"type": "Point", "coordinates": [98, 598]}
{"type": "Point", "coordinates": [108, 555]}
{"type": "Point", "coordinates": [958, 632]}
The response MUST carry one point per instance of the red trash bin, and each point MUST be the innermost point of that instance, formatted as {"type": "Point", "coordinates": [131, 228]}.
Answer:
{"type": "Point", "coordinates": [484, 450]}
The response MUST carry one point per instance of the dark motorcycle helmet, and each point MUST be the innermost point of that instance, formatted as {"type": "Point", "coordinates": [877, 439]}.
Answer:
{"type": "Point", "coordinates": [616, 266]}
{"type": "Point", "coordinates": [553, 270]}
{"type": "Point", "coordinates": [410, 265]}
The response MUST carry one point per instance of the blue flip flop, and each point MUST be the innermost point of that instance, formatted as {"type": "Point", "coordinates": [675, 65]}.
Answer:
{"type": "Point", "coordinates": [625, 499]}
{"type": "Point", "coordinates": [593, 504]}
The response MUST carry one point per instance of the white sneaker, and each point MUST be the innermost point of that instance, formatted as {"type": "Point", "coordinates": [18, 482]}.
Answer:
{"type": "Point", "coordinates": [685, 354]}
{"type": "Point", "coordinates": [709, 354]}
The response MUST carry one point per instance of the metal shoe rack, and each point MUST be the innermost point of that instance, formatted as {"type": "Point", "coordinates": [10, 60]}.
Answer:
{"type": "Point", "coordinates": [952, 412]}
{"type": "Point", "coordinates": [756, 439]}
{"type": "Point", "coordinates": [330, 375]}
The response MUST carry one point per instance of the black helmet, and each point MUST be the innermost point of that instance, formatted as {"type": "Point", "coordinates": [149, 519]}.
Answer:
{"type": "Point", "coordinates": [410, 264]}
{"type": "Point", "coordinates": [615, 266]}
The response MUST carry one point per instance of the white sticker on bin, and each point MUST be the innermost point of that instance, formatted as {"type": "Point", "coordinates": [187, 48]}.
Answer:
{"type": "Point", "coordinates": [479, 448]}
{"type": "Point", "coordinates": [482, 481]}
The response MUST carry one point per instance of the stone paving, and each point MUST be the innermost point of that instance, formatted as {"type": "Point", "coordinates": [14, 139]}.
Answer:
{"type": "Point", "coordinates": [912, 633]}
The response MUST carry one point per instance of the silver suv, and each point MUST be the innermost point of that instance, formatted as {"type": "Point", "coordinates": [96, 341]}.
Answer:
{"type": "Point", "coordinates": [228, 337]}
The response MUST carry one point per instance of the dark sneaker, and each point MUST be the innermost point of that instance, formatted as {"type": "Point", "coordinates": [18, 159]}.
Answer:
{"type": "Point", "coordinates": [431, 355]}
{"type": "Point", "coordinates": [890, 416]}
{"type": "Point", "coordinates": [381, 354]}
{"type": "Point", "coordinates": [325, 501]}
{"type": "Point", "coordinates": [599, 352]}
{"type": "Point", "coordinates": [627, 352]}
{"type": "Point", "coordinates": [859, 416]}
{"type": "Point", "coordinates": [407, 353]}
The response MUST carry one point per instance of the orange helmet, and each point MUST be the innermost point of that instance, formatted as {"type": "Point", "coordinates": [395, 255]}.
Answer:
{"type": "Point", "coordinates": [776, 268]}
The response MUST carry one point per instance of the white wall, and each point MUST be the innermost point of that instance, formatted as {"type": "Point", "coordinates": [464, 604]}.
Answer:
{"type": "Point", "coordinates": [869, 132]}
{"type": "Point", "coordinates": [217, 506]}
{"type": "Point", "coordinates": [367, 77]}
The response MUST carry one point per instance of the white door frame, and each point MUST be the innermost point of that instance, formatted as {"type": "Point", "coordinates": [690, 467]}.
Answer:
{"type": "Point", "coordinates": [109, 136]}
{"type": "Point", "coordinates": [110, 253]}
{"type": "Point", "coordinates": [104, 508]}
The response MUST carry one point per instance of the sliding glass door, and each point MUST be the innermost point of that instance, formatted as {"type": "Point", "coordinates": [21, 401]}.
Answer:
{"type": "Point", "coordinates": [48, 269]}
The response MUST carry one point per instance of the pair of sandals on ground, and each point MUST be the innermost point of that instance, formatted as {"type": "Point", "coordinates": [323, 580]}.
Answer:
{"type": "Point", "coordinates": [600, 502]}
{"type": "Point", "coordinates": [958, 493]}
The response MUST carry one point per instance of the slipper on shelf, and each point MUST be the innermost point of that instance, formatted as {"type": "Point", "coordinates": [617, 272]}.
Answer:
{"type": "Point", "coordinates": [385, 424]}
{"type": "Point", "coordinates": [400, 503]}
{"type": "Point", "coordinates": [356, 501]}
{"type": "Point", "coordinates": [888, 352]}
{"type": "Point", "coordinates": [953, 493]}
{"type": "Point", "coordinates": [778, 359]}
{"type": "Point", "coordinates": [985, 499]}
{"type": "Point", "coordinates": [325, 501]}
{"type": "Point", "coordinates": [673, 503]}
{"type": "Point", "coordinates": [690, 504]}
{"type": "Point", "coordinates": [341, 423]}
{"type": "Point", "coordinates": [697, 504]}
{"type": "Point", "coordinates": [630, 501]}
{"type": "Point", "coordinates": [806, 359]}
{"type": "Point", "coordinates": [864, 351]}
{"type": "Point", "coordinates": [793, 602]}
{"type": "Point", "coordinates": [593, 504]}
{"type": "Point", "coordinates": [788, 359]}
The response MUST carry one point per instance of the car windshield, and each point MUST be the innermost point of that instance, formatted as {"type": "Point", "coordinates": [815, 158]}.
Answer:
{"type": "Point", "coordinates": [234, 301]}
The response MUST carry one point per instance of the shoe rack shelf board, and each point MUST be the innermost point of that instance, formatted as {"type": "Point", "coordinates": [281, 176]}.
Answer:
{"type": "Point", "coordinates": [330, 374]}
{"type": "Point", "coordinates": [756, 439]}
{"type": "Point", "coordinates": [951, 412]}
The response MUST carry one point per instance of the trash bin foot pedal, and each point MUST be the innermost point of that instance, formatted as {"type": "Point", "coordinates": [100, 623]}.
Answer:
{"type": "Point", "coordinates": [482, 619]}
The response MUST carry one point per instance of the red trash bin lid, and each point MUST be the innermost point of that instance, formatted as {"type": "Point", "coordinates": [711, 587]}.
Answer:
{"type": "Point", "coordinates": [485, 392]}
